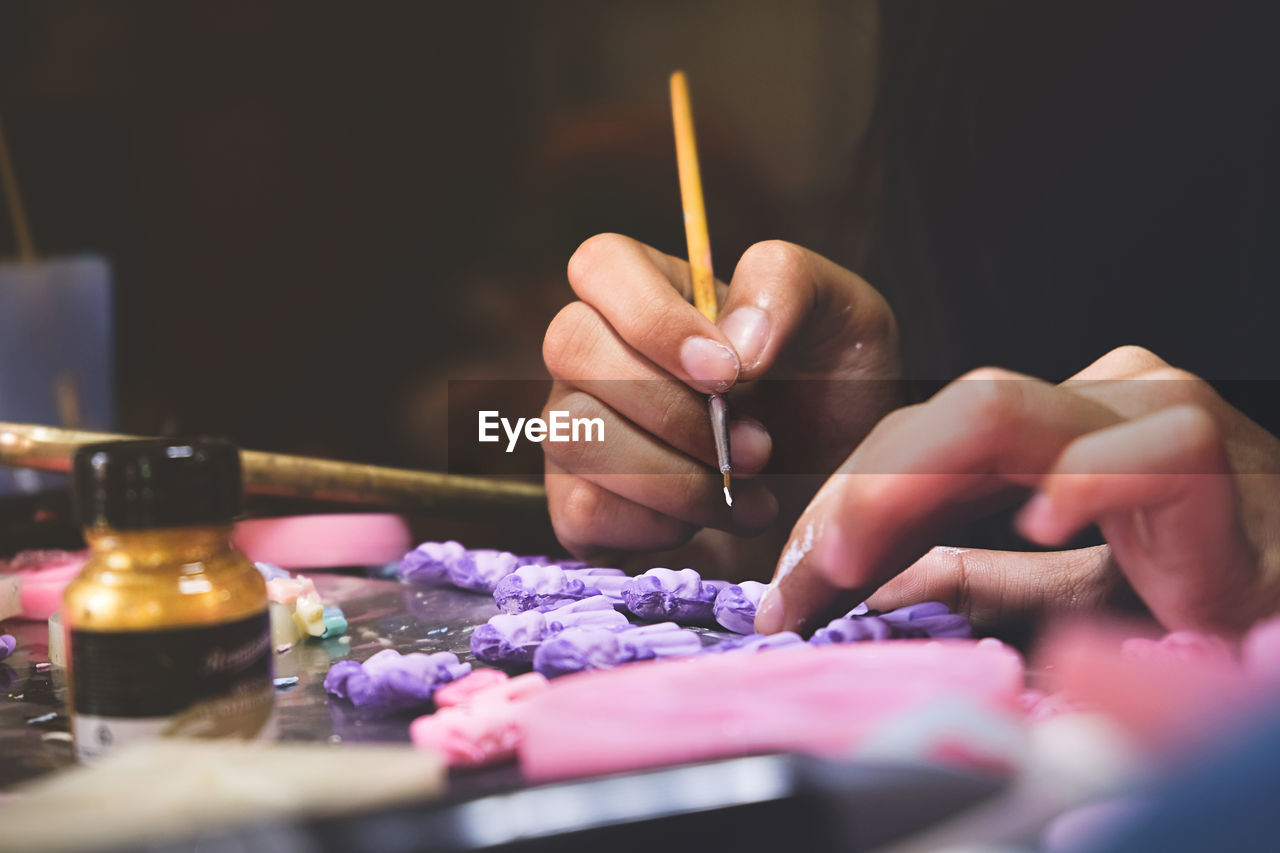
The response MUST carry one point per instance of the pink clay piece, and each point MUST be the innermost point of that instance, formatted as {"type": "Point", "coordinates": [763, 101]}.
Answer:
{"type": "Point", "coordinates": [324, 541]}
{"type": "Point", "coordinates": [821, 700]}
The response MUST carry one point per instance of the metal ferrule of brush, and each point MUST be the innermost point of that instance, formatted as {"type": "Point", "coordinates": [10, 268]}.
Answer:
{"type": "Point", "coordinates": [720, 430]}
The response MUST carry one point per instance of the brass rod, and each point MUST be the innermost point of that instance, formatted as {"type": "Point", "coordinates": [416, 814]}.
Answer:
{"type": "Point", "coordinates": [50, 449]}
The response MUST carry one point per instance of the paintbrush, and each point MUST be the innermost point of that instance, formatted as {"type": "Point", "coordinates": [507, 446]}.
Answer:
{"type": "Point", "coordinates": [695, 230]}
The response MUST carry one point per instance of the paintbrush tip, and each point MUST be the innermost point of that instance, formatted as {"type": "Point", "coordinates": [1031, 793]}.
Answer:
{"type": "Point", "coordinates": [728, 496]}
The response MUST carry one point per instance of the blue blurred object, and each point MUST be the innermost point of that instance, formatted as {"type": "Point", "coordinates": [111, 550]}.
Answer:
{"type": "Point", "coordinates": [1226, 800]}
{"type": "Point", "coordinates": [57, 352]}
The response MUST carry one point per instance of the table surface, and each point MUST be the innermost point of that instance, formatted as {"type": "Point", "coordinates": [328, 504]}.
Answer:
{"type": "Point", "coordinates": [34, 726]}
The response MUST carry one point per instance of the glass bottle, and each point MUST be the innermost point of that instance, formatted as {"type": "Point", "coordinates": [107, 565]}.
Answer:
{"type": "Point", "coordinates": [167, 632]}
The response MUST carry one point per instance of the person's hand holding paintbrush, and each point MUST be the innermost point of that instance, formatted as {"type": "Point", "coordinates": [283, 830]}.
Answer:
{"type": "Point", "coordinates": [618, 353]}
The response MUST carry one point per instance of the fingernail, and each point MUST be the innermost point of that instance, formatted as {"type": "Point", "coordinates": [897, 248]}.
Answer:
{"type": "Point", "coordinates": [712, 365]}
{"type": "Point", "coordinates": [770, 615]}
{"type": "Point", "coordinates": [1035, 519]}
{"type": "Point", "coordinates": [749, 445]}
{"type": "Point", "coordinates": [755, 509]}
{"type": "Point", "coordinates": [747, 328]}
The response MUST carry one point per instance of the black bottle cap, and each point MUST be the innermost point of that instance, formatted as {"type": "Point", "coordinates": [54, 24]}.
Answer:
{"type": "Point", "coordinates": [155, 483]}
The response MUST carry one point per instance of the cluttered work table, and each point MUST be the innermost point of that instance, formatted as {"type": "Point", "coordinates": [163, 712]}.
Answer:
{"type": "Point", "coordinates": [737, 797]}
{"type": "Point", "coordinates": [381, 614]}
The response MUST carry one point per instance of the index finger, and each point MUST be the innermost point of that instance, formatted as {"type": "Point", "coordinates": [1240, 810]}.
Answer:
{"type": "Point", "coordinates": [639, 290]}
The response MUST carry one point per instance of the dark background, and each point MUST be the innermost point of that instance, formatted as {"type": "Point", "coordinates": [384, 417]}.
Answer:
{"type": "Point", "coordinates": [318, 214]}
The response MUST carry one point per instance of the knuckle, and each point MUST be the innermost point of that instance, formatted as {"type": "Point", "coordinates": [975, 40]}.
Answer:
{"type": "Point", "coordinates": [1182, 386]}
{"type": "Point", "coordinates": [1129, 359]}
{"type": "Point", "coordinates": [571, 339]}
{"type": "Point", "coordinates": [579, 512]}
{"type": "Point", "coordinates": [1194, 428]}
{"type": "Point", "coordinates": [987, 396]}
{"type": "Point", "coordinates": [594, 254]}
{"type": "Point", "coordinates": [575, 456]}
{"type": "Point", "coordinates": [775, 259]}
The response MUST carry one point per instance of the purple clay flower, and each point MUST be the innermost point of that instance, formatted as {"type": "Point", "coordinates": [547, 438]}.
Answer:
{"type": "Point", "coordinates": [759, 642]}
{"type": "Point", "coordinates": [539, 587]}
{"type": "Point", "coordinates": [735, 606]}
{"type": "Point", "coordinates": [580, 649]}
{"type": "Point", "coordinates": [390, 682]}
{"type": "Point", "coordinates": [611, 586]}
{"type": "Point", "coordinates": [585, 572]}
{"type": "Point", "coordinates": [595, 612]}
{"type": "Point", "coordinates": [509, 638]}
{"type": "Point", "coordinates": [577, 650]}
{"type": "Point", "coordinates": [514, 638]}
{"type": "Point", "coordinates": [660, 640]}
{"type": "Point", "coordinates": [679, 596]}
{"type": "Point", "coordinates": [480, 570]}
{"type": "Point", "coordinates": [429, 563]}
{"type": "Point", "coordinates": [929, 619]}
{"type": "Point", "coordinates": [8, 643]}
{"type": "Point", "coordinates": [854, 629]}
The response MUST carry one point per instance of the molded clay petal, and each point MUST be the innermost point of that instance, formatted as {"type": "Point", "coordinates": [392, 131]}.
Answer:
{"type": "Point", "coordinates": [429, 563]}
{"type": "Point", "coordinates": [540, 587]}
{"type": "Point", "coordinates": [389, 681]}
{"type": "Point", "coordinates": [735, 606]}
{"type": "Point", "coordinates": [759, 642]}
{"type": "Point", "coordinates": [509, 638]}
{"type": "Point", "coordinates": [665, 594]}
{"type": "Point", "coordinates": [481, 570]}
{"type": "Point", "coordinates": [578, 649]}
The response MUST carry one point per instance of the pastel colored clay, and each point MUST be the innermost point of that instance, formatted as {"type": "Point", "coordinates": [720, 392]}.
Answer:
{"type": "Point", "coordinates": [930, 619]}
{"type": "Point", "coordinates": [611, 586]}
{"type": "Point", "coordinates": [952, 731]}
{"type": "Point", "coordinates": [8, 643]}
{"type": "Point", "coordinates": [480, 570]}
{"type": "Point", "coordinates": [271, 572]}
{"type": "Point", "coordinates": [821, 700]}
{"type": "Point", "coordinates": [390, 682]}
{"type": "Point", "coordinates": [469, 736]}
{"type": "Point", "coordinates": [509, 637]}
{"type": "Point", "coordinates": [284, 629]}
{"type": "Point", "coordinates": [516, 689]}
{"type": "Point", "coordinates": [57, 640]}
{"type": "Point", "coordinates": [309, 614]}
{"type": "Point", "coordinates": [10, 596]}
{"type": "Point", "coordinates": [288, 590]}
{"type": "Point", "coordinates": [681, 596]}
{"type": "Point", "coordinates": [759, 642]}
{"type": "Point", "coordinates": [1167, 699]}
{"type": "Point", "coordinates": [541, 588]}
{"type": "Point", "coordinates": [462, 691]}
{"type": "Point", "coordinates": [513, 638]}
{"type": "Point", "coordinates": [335, 622]}
{"type": "Point", "coordinates": [1180, 645]}
{"type": "Point", "coordinates": [428, 564]}
{"type": "Point", "coordinates": [324, 541]}
{"type": "Point", "coordinates": [478, 724]}
{"type": "Point", "coordinates": [588, 648]}
{"type": "Point", "coordinates": [44, 575]}
{"type": "Point", "coordinates": [735, 606]}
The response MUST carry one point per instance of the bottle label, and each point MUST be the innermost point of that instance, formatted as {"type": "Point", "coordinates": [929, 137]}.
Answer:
{"type": "Point", "coordinates": [207, 681]}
